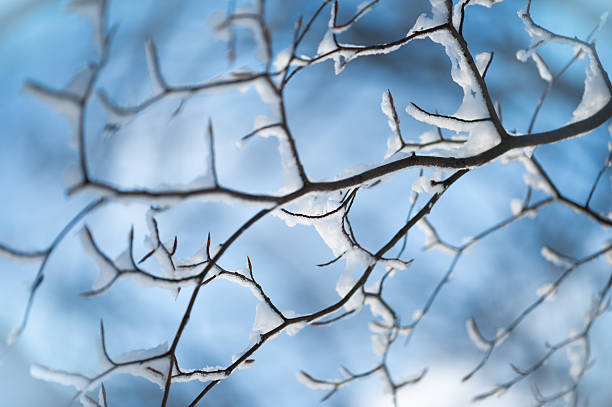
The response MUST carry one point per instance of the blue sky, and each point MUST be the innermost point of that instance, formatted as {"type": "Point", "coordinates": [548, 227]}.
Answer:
{"type": "Point", "coordinates": [337, 124]}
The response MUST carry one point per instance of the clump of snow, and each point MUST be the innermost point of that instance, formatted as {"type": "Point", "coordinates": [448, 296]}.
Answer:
{"type": "Point", "coordinates": [554, 257]}
{"type": "Point", "coordinates": [282, 59]}
{"type": "Point", "coordinates": [78, 381]}
{"type": "Point", "coordinates": [476, 337]}
{"type": "Point", "coordinates": [362, 9]}
{"type": "Point", "coordinates": [394, 142]}
{"type": "Point", "coordinates": [439, 15]}
{"type": "Point", "coordinates": [596, 93]}
{"type": "Point", "coordinates": [327, 44]}
{"type": "Point", "coordinates": [12, 337]}
{"type": "Point", "coordinates": [439, 121]}
{"type": "Point", "coordinates": [379, 310]}
{"type": "Point", "coordinates": [482, 60]}
{"type": "Point", "coordinates": [429, 136]}
{"type": "Point", "coordinates": [548, 290]}
{"type": "Point", "coordinates": [418, 315]}
{"type": "Point", "coordinates": [345, 284]}
{"type": "Point", "coordinates": [328, 48]}
{"type": "Point", "coordinates": [150, 364]}
{"type": "Point", "coordinates": [543, 69]}
{"type": "Point", "coordinates": [294, 328]}
{"type": "Point", "coordinates": [516, 206]}
{"type": "Point", "coordinates": [501, 335]}
{"type": "Point", "coordinates": [533, 178]}
{"type": "Point", "coordinates": [431, 238]}
{"type": "Point", "coordinates": [266, 319]}
{"type": "Point", "coordinates": [106, 269]}
{"type": "Point", "coordinates": [483, 136]}
{"type": "Point", "coordinates": [203, 375]}
{"type": "Point", "coordinates": [460, 4]}
{"type": "Point", "coordinates": [387, 108]}
{"type": "Point", "coordinates": [425, 183]}
{"type": "Point", "coordinates": [472, 116]}
{"type": "Point", "coordinates": [312, 383]}
{"type": "Point", "coordinates": [537, 35]}
{"type": "Point", "coordinates": [577, 356]}
{"type": "Point", "coordinates": [21, 258]}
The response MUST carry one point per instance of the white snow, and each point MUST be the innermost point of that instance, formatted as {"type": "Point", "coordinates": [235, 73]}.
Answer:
{"type": "Point", "coordinates": [266, 318]}
{"type": "Point", "coordinates": [21, 258]}
{"type": "Point", "coordinates": [424, 183]}
{"type": "Point", "coordinates": [431, 239]}
{"type": "Point", "coordinates": [307, 380]}
{"type": "Point", "coordinates": [360, 13]}
{"type": "Point", "coordinates": [596, 93]}
{"type": "Point", "coordinates": [327, 44]}
{"type": "Point", "coordinates": [532, 177]}
{"type": "Point", "coordinates": [516, 206]}
{"type": "Point", "coordinates": [459, 5]}
{"type": "Point", "coordinates": [537, 35]}
{"type": "Point", "coordinates": [475, 336]}
{"type": "Point", "coordinates": [387, 109]}
{"type": "Point", "coordinates": [282, 59]}
{"type": "Point", "coordinates": [378, 310]}
{"type": "Point", "coordinates": [548, 290]}
{"type": "Point", "coordinates": [554, 257]}
{"type": "Point", "coordinates": [418, 315]}
{"type": "Point", "coordinates": [482, 61]}
{"type": "Point", "coordinates": [203, 375]}
{"type": "Point", "coordinates": [106, 269]}
{"type": "Point", "coordinates": [345, 283]}
{"type": "Point", "coordinates": [543, 69]}
{"type": "Point", "coordinates": [576, 355]}
{"type": "Point", "coordinates": [294, 328]}
{"type": "Point", "coordinates": [78, 381]}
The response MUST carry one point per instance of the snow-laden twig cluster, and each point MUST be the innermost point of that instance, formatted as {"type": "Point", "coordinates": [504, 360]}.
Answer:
{"type": "Point", "coordinates": [472, 136]}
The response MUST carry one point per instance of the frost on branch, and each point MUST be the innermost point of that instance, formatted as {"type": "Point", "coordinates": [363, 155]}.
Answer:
{"type": "Point", "coordinates": [473, 115]}
{"type": "Point", "coordinates": [266, 319]}
{"type": "Point", "coordinates": [597, 92]}
{"type": "Point", "coordinates": [476, 336]}
{"type": "Point", "coordinates": [477, 137]}
{"type": "Point", "coordinates": [394, 142]}
{"type": "Point", "coordinates": [556, 258]}
{"type": "Point", "coordinates": [152, 364]}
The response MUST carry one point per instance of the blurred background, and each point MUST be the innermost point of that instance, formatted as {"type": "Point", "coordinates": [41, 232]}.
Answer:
{"type": "Point", "coordinates": [337, 123]}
